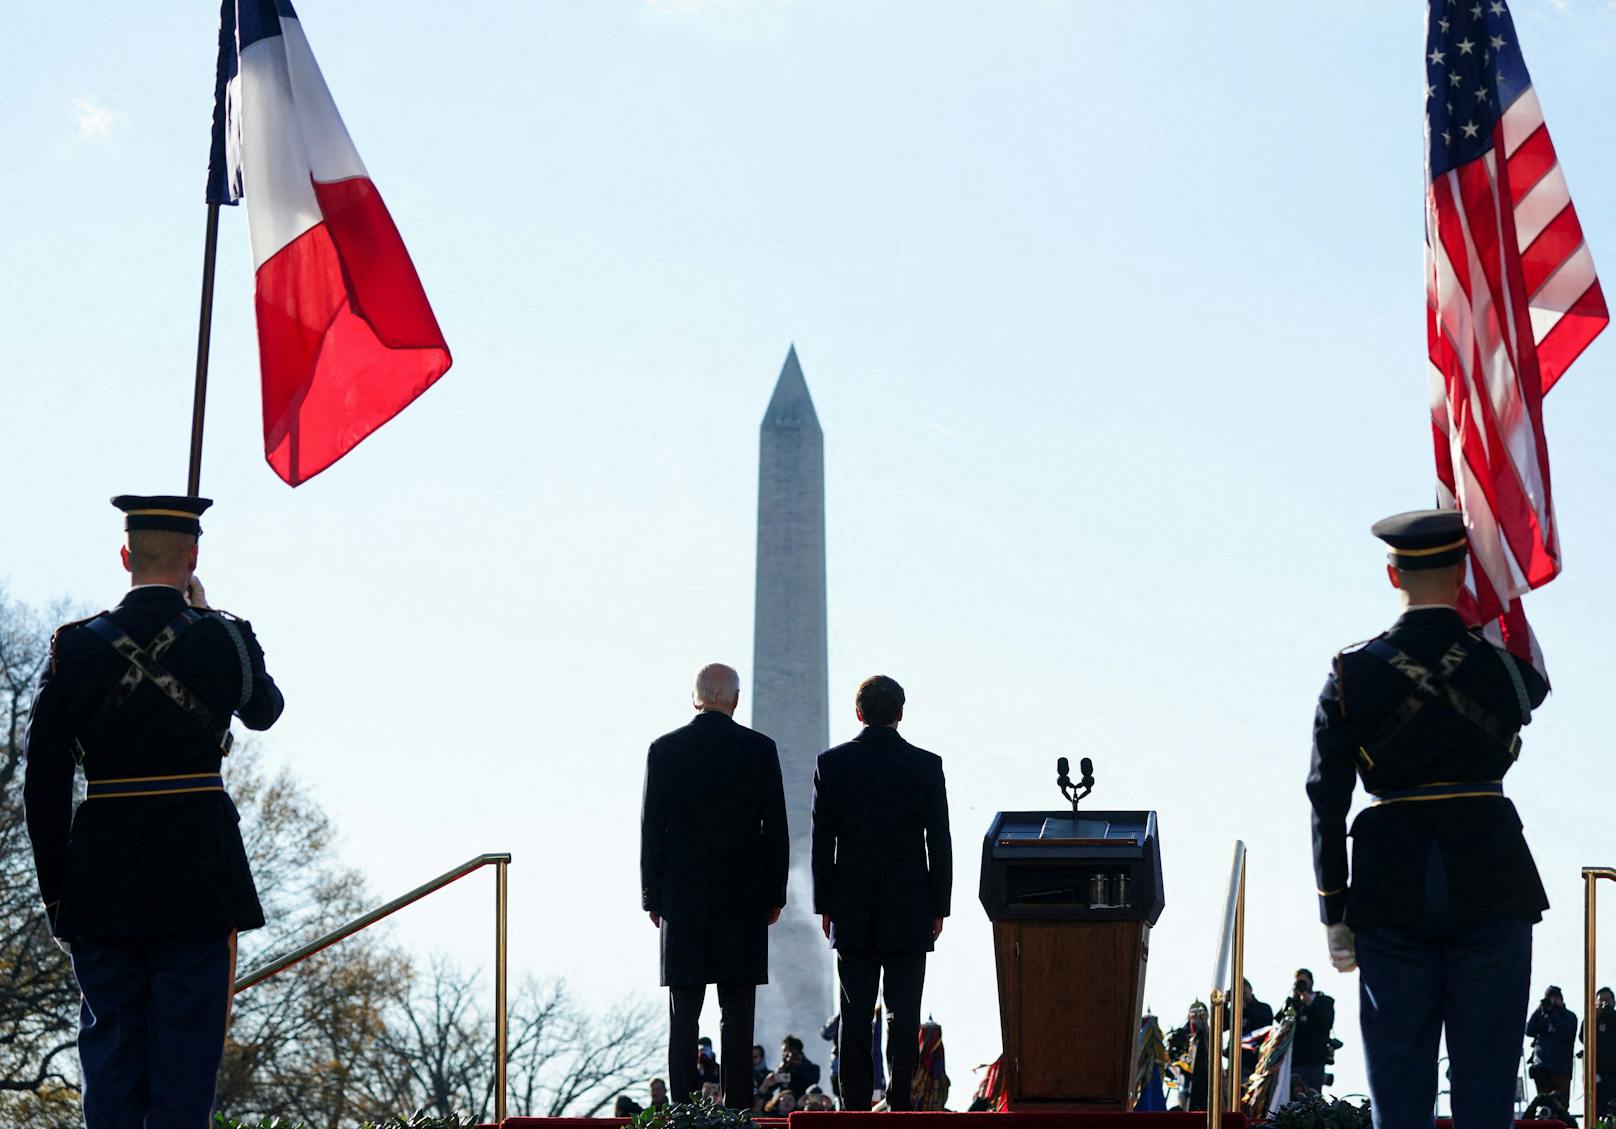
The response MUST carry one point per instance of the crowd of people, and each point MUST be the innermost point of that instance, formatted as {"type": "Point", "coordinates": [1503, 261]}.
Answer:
{"type": "Point", "coordinates": [1307, 1015]}
{"type": "Point", "coordinates": [1552, 1027]}
{"type": "Point", "coordinates": [799, 1083]}
{"type": "Point", "coordinates": [1310, 1018]}
{"type": "Point", "coordinates": [1556, 1036]}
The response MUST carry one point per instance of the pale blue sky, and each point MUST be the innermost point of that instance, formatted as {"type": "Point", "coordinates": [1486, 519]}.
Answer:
{"type": "Point", "coordinates": [1113, 317]}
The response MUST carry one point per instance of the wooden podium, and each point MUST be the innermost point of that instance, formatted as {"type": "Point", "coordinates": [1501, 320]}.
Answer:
{"type": "Point", "coordinates": [1072, 904]}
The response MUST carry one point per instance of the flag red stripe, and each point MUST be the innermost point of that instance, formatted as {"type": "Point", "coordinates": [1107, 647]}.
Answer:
{"type": "Point", "coordinates": [1572, 334]}
{"type": "Point", "coordinates": [1553, 246]}
{"type": "Point", "coordinates": [1530, 163]}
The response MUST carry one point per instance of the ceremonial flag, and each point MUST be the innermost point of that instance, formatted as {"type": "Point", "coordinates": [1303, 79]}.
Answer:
{"type": "Point", "coordinates": [1512, 300]}
{"type": "Point", "coordinates": [346, 337]}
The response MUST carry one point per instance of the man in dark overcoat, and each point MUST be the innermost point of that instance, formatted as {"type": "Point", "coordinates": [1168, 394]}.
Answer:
{"type": "Point", "coordinates": [713, 860]}
{"type": "Point", "coordinates": [147, 883]}
{"type": "Point", "coordinates": [1437, 907]}
{"type": "Point", "coordinates": [883, 865]}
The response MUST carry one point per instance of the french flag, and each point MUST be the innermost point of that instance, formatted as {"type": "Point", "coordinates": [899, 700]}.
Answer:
{"type": "Point", "coordinates": [346, 337]}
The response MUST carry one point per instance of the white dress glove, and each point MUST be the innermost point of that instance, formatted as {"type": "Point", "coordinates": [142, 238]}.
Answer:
{"type": "Point", "coordinates": [1343, 949]}
{"type": "Point", "coordinates": [195, 594]}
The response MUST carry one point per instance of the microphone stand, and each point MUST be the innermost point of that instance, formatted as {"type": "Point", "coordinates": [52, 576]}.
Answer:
{"type": "Point", "coordinates": [1075, 792]}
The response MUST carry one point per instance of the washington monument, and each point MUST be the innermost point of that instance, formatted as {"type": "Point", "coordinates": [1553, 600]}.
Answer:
{"type": "Point", "coordinates": [789, 693]}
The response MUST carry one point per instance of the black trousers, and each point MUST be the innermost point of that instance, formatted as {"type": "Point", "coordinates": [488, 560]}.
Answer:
{"type": "Point", "coordinates": [1466, 980]}
{"type": "Point", "coordinates": [151, 1029]}
{"type": "Point", "coordinates": [736, 1004]}
{"type": "Point", "coordinates": [897, 977]}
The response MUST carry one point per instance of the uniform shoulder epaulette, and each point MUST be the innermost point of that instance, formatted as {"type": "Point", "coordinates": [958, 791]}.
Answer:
{"type": "Point", "coordinates": [1341, 674]}
{"type": "Point", "coordinates": [222, 614]}
{"type": "Point", "coordinates": [68, 626]}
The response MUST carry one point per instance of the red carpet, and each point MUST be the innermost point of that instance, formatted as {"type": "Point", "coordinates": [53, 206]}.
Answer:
{"type": "Point", "coordinates": [1073, 1119]}
{"type": "Point", "coordinates": [1070, 1119]}
{"type": "Point", "coordinates": [1021, 1119]}
{"type": "Point", "coordinates": [603, 1122]}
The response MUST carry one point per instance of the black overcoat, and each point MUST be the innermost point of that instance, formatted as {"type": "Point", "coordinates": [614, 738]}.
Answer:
{"type": "Point", "coordinates": [143, 866]}
{"type": "Point", "coordinates": [713, 850]}
{"type": "Point", "coordinates": [1365, 727]}
{"type": "Point", "coordinates": [883, 858]}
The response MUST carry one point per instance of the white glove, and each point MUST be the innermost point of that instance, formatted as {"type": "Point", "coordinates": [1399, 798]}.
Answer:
{"type": "Point", "coordinates": [195, 594]}
{"type": "Point", "coordinates": [1343, 949]}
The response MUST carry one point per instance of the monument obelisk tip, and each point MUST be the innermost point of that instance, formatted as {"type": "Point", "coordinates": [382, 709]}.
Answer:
{"type": "Point", "coordinates": [791, 405]}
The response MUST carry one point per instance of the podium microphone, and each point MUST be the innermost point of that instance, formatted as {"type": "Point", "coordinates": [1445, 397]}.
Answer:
{"type": "Point", "coordinates": [1086, 767]}
{"type": "Point", "coordinates": [1063, 770]}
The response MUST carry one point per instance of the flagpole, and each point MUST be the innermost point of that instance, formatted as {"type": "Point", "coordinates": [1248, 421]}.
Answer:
{"type": "Point", "coordinates": [204, 337]}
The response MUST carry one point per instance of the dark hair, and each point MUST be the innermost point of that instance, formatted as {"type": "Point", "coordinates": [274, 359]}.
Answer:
{"type": "Point", "coordinates": [1301, 972]}
{"type": "Point", "coordinates": [880, 700]}
{"type": "Point", "coordinates": [758, 1047]}
{"type": "Point", "coordinates": [793, 1042]}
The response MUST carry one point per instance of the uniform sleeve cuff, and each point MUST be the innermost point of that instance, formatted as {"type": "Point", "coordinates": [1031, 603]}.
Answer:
{"type": "Point", "coordinates": [1333, 906]}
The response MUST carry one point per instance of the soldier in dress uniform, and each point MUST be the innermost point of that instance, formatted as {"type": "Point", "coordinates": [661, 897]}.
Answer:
{"type": "Point", "coordinates": [1437, 910]}
{"type": "Point", "coordinates": [147, 883]}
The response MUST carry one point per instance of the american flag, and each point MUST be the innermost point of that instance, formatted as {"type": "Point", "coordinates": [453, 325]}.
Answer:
{"type": "Point", "coordinates": [1511, 300]}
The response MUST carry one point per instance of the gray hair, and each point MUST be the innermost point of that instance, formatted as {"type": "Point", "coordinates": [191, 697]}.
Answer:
{"type": "Point", "coordinates": [716, 684]}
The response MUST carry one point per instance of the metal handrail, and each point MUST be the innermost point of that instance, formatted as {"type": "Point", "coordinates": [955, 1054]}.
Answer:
{"type": "Point", "coordinates": [1590, 1049]}
{"type": "Point", "coordinates": [499, 862]}
{"type": "Point", "coordinates": [1231, 959]}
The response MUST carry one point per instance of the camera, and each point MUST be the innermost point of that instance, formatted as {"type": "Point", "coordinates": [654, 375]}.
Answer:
{"type": "Point", "coordinates": [1300, 986]}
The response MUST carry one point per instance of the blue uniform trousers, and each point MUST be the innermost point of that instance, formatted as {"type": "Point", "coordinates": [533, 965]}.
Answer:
{"type": "Point", "coordinates": [151, 1029]}
{"type": "Point", "coordinates": [1414, 982]}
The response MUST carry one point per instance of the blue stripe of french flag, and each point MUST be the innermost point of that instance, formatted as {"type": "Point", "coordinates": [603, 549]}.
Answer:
{"type": "Point", "coordinates": [346, 337]}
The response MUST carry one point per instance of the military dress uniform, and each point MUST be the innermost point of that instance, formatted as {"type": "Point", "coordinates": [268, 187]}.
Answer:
{"type": "Point", "coordinates": [1443, 891]}
{"type": "Point", "coordinates": [147, 881]}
